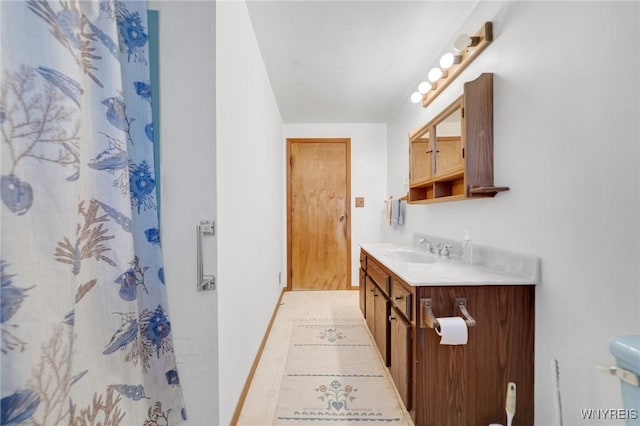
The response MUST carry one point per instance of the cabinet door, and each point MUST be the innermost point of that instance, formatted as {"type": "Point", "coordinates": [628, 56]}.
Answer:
{"type": "Point", "coordinates": [401, 356]}
{"type": "Point", "coordinates": [455, 383]}
{"type": "Point", "coordinates": [369, 305]}
{"type": "Point", "coordinates": [420, 158]}
{"type": "Point", "coordinates": [363, 291]}
{"type": "Point", "coordinates": [449, 157]}
{"type": "Point", "coordinates": [381, 327]}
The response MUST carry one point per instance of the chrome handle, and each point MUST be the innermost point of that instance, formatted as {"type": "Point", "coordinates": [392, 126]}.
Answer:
{"type": "Point", "coordinates": [623, 374]}
{"type": "Point", "coordinates": [205, 282]}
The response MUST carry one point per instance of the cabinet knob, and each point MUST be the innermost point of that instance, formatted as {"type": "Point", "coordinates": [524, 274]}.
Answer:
{"type": "Point", "coordinates": [398, 298]}
{"type": "Point", "coordinates": [391, 318]}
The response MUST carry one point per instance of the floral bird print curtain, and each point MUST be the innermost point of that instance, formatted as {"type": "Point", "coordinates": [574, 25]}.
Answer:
{"type": "Point", "coordinates": [86, 336]}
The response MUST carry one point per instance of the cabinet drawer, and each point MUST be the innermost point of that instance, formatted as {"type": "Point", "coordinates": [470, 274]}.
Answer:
{"type": "Point", "coordinates": [402, 299]}
{"type": "Point", "coordinates": [379, 276]}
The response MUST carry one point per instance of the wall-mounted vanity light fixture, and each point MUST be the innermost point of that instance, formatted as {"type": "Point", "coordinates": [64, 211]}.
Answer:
{"type": "Point", "coordinates": [465, 48]}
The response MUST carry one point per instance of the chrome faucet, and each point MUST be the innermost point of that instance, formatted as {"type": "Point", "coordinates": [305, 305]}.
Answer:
{"type": "Point", "coordinates": [429, 246]}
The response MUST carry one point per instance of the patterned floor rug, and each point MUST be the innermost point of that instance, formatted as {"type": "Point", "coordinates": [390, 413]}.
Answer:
{"type": "Point", "coordinates": [334, 375]}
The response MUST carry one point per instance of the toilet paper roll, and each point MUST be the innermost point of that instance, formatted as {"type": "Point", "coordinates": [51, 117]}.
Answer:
{"type": "Point", "coordinates": [453, 331]}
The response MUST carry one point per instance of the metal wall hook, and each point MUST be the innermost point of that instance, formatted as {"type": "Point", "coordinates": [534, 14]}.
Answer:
{"type": "Point", "coordinates": [461, 302]}
{"type": "Point", "coordinates": [205, 282]}
{"type": "Point", "coordinates": [428, 319]}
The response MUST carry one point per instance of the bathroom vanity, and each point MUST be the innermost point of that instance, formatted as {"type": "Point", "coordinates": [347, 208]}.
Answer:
{"type": "Point", "coordinates": [403, 290]}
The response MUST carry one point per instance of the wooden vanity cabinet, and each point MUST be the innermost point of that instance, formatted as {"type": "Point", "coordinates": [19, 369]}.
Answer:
{"type": "Point", "coordinates": [390, 316]}
{"type": "Point", "coordinates": [445, 385]}
{"type": "Point", "coordinates": [374, 299]}
{"type": "Point", "coordinates": [471, 380]}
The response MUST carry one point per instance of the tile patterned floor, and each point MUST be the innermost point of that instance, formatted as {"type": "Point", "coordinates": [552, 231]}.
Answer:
{"type": "Point", "coordinates": [264, 398]}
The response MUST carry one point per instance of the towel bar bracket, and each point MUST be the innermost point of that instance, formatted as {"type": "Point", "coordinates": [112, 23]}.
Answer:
{"type": "Point", "coordinates": [205, 282]}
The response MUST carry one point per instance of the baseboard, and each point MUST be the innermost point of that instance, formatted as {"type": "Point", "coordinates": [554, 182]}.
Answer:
{"type": "Point", "coordinates": [247, 383]}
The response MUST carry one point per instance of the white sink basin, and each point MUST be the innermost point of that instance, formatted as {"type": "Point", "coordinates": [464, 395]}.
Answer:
{"type": "Point", "coordinates": [411, 256]}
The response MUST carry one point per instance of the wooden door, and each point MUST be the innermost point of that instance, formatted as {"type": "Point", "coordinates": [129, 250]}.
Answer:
{"type": "Point", "coordinates": [319, 221]}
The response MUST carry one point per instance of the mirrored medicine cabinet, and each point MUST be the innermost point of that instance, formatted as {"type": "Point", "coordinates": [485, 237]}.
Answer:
{"type": "Point", "coordinates": [451, 157]}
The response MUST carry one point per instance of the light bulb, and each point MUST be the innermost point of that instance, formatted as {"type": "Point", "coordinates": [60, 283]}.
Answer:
{"type": "Point", "coordinates": [424, 87]}
{"type": "Point", "coordinates": [447, 60]}
{"type": "Point", "coordinates": [461, 43]}
{"type": "Point", "coordinates": [416, 97]}
{"type": "Point", "coordinates": [434, 74]}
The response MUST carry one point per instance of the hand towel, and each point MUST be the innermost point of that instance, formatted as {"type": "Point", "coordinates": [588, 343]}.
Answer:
{"type": "Point", "coordinates": [400, 212]}
{"type": "Point", "coordinates": [396, 213]}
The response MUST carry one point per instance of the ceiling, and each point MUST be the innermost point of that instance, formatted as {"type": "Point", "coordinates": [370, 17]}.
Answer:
{"type": "Point", "coordinates": [350, 61]}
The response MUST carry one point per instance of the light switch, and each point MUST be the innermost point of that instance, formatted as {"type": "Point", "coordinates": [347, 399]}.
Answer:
{"type": "Point", "coordinates": [359, 201]}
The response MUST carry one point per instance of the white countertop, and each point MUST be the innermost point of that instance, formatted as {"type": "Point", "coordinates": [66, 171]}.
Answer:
{"type": "Point", "coordinates": [451, 271]}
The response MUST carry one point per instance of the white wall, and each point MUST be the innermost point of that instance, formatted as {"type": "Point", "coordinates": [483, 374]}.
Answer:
{"type": "Point", "coordinates": [250, 161]}
{"type": "Point", "coordinates": [566, 90]}
{"type": "Point", "coordinates": [368, 177]}
{"type": "Point", "coordinates": [187, 141]}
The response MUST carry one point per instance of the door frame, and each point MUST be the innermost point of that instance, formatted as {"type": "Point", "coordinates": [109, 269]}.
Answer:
{"type": "Point", "coordinates": [347, 143]}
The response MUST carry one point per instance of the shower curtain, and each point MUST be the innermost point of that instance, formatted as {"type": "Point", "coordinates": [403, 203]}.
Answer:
{"type": "Point", "coordinates": [86, 337]}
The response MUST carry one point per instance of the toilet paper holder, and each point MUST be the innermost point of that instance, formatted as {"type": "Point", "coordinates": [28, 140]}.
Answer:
{"type": "Point", "coordinates": [428, 319]}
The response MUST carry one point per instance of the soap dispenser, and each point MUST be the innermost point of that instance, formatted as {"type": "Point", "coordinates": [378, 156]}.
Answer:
{"type": "Point", "coordinates": [467, 249]}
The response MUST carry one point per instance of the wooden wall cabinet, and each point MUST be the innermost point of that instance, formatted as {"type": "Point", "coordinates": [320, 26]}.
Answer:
{"type": "Point", "coordinates": [451, 157]}
{"type": "Point", "coordinates": [443, 385]}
